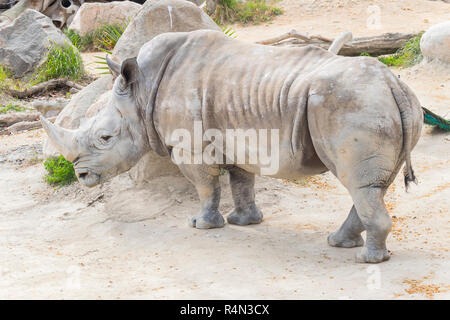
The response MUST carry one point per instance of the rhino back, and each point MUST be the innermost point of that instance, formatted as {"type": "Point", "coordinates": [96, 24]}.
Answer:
{"type": "Point", "coordinates": [236, 84]}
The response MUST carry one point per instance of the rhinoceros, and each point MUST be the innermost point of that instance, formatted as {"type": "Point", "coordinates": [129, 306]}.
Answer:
{"type": "Point", "coordinates": [348, 115]}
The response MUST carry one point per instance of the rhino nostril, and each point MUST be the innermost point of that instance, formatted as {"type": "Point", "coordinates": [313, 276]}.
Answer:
{"type": "Point", "coordinates": [57, 23]}
{"type": "Point", "coordinates": [82, 175]}
{"type": "Point", "coordinates": [106, 138]}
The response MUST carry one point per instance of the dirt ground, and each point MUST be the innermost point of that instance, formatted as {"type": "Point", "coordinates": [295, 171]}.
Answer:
{"type": "Point", "coordinates": [329, 18]}
{"type": "Point", "coordinates": [120, 241]}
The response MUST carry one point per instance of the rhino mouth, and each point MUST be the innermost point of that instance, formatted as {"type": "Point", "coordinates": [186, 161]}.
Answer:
{"type": "Point", "coordinates": [87, 177]}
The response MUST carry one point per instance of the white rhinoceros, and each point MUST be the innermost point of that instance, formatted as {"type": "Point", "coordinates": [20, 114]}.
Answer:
{"type": "Point", "coordinates": [349, 115]}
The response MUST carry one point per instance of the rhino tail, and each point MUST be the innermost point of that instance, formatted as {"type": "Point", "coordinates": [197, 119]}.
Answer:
{"type": "Point", "coordinates": [406, 115]}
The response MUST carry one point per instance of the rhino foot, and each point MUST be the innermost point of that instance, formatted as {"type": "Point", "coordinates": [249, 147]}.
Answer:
{"type": "Point", "coordinates": [372, 255]}
{"type": "Point", "coordinates": [207, 220]}
{"type": "Point", "coordinates": [336, 239]}
{"type": "Point", "coordinates": [243, 217]}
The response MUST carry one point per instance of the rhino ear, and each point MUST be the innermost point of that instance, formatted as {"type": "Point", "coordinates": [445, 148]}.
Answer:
{"type": "Point", "coordinates": [129, 71]}
{"type": "Point", "coordinates": [113, 66]}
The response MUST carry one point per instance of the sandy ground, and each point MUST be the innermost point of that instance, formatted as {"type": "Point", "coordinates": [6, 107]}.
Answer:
{"type": "Point", "coordinates": [329, 18]}
{"type": "Point", "coordinates": [120, 241]}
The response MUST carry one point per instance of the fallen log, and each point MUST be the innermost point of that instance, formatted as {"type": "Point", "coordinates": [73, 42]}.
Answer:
{"type": "Point", "coordinates": [294, 35]}
{"type": "Point", "coordinates": [43, 87]}
{"type": "Point", "coordinates": [24, 125]}
{"type": "Point", "coordinates": [386, 43]}
{"type": "Point", "coordinates": [9, 119]}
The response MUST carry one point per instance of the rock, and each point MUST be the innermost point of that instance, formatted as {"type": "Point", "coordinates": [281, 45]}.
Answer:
{"type": "Point", "coordinates": [158, 17]}
{"type": "Point", "coordinates": [196, 2]}
{"type": "Point", "coordinates": [93, 15]}
{"type": "Point", "coordinates": [24, 43]}
{"type": "Point", "coordinates": [61, 12]}
{"type": "Point", "coordinates": [155, 17]}
{"type": "Point", "coordinates": [152, 166]}
{"type": "Point", "coordinates": [75, 111]}
{"type": "Point", "coordinates": [6, 4]}
{"type": "Point", "coordinates": [50, 108]}
{"type": "Point", "coordinates": [435, 43]}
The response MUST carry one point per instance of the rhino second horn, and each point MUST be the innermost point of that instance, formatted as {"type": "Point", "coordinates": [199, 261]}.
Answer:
{"type": "Point", "coordinates": [62, 139]}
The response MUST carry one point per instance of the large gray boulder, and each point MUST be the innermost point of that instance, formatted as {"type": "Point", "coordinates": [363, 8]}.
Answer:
{"type": "Point", "coordinates": [435, 43]}
{"type": "Point", "coordinates": [158, 17]}
{"type": "Point", "coordinates": [154, 18]}
{"type": "Point", "coordinates": [24, 43]}
{"type": "Point", "coordinates": [93, 15]}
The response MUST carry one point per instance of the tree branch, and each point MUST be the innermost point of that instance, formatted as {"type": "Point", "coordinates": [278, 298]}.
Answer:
{"type": "Point", "coordinates": [43, 87]}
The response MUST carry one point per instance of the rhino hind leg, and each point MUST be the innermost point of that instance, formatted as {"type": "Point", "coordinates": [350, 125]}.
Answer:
{"type": "Point", "coordinates": [243, 190]}
{"type": "Point", "coordinates": [375, 218]}
{"type": "Point", "coordinates": [206, 181]}
{"type": "Point", "coordinates": [349, 234]}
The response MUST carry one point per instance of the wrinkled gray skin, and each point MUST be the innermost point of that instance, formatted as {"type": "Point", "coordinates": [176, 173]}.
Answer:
{"type": "Point", "coordinates": [351, 116]}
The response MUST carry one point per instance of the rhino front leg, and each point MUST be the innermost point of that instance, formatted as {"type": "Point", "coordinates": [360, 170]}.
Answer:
{"type": "Point", "coordinates": [242, 188]}
{"type": "Point", "coordinates": [349, 234]}
{"type": "Point", "coordinates": [206, 181]}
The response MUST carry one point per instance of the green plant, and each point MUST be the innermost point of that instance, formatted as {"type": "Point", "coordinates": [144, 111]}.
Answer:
{"type": "Point", "coordinates": [5, 73]}
{"type": "Point", "coordinates": [74, 37]}
{"type": "Point", "coordinates": [406, 56]}
{"type": "Point", "coordinates": [8, 81]}
{"type": "Point", "coordinates": [11, 107]}
{"type": "Point", "coordinates": [62, 62]}
{"type": "Point", "coordinates": [6, 78]}
{"type": "Point", "coordinates": [103, 38]}
{"type": "Point", "coordinates": [109, 35]}
{"type": "Point", "coordinates": [228, 31]}
{"type": "Point", "coordinates": [365, 54]}
{"type": "Point", "coordinates": [60, 171]}
{"type": "Point", "coordinates": [82, 43]}
{"type": "Point", "coordinates": [250, 11]}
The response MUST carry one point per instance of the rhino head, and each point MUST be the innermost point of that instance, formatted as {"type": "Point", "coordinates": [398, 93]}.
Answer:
{"type": "Point", "coordinates": [114, 139]}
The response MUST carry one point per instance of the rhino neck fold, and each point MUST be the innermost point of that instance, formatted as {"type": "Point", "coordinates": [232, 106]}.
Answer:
{"type": "Point", "coordinates": [147, 109]}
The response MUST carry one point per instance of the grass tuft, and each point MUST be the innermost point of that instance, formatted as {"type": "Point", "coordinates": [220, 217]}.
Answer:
{"type": "Point", "coordinates": [109, 35]}
{"type": "Point", "coordinates": [62, 62]}
{"type": "Point", "coordinates": [7, 79]}
{"type": "Point", "coordinates": [407, 56]}
{"type": "Point", "coordinates": [76, 39]}
{"type": "Point", "coordinates": [11, 107]}
{"type": "Point", "coordinates": [60, 171]}
{"type": "Point", "coordinates": [103, 38]}
{"type": "Point", "coordinates": [229, 32]}
{"type": "Point", "coordinates": [250, 11]}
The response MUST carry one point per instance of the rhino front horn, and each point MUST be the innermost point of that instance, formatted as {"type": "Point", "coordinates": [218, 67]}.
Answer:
{"type": "Point", "coordinates": [63, 139]}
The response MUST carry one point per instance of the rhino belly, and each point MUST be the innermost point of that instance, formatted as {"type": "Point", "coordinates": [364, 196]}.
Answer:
{"type": "Point", "coordinates": [287, 165]}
